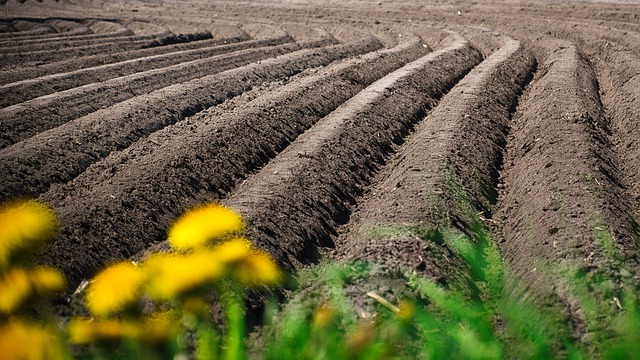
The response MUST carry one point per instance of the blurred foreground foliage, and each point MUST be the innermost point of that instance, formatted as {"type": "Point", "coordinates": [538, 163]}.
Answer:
{"type": "Point", "coordinates": [163, 307]}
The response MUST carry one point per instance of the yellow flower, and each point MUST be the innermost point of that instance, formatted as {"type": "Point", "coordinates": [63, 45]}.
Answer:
{"type": "Point", "coordinates": [18, 284]}
{"type": "Point", "coordinates": [84, 331]}
{"type": "Point", "coordinates": [247, 265]}
{"type": "Point", "coordinates": [46, 279]}
{"type": "Point", "coordinates": [25, 341]}
{"type": "Point", "coordinates": [202, 225]}
{"type": "Point", "coordinates": [407, 310]}
{"type": "Point", "coordinates": [155, 328]}
{"type": "Point", "coordinates": [258, 269]}
{"type": "Point", "coordinates": [81, 331]}
{"type": "Point", "coordinates": [323, 316]}
{"type": "Point", "coordinates": [195, 306]}
{"type": "Point", "coordinates": [159, 327]}
{"type": "Point", "coordinates": [173, 275]}
{"type": "Point", "coordinates": [23, 224]}
{"type": "Point", "coordinates": [233, 250]}
{"type": "Point", "coordinates": [114, 288]}
{"type": "Point", "coordinates": [359, 339]}
{"type": "Point", "coordinates": [15, 287]}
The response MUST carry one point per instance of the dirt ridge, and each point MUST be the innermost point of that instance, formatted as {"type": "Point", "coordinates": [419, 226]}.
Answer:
{"type": "Point", "coordinates": [246, 136]}
{"type": "Point", "coordinates": [29, 71]}
{"type": "Point", "coordinates": [36, 31]}
{"type": "Point", "coordinates": [339, 155]}
{"type": "Point", "coordinates": [39, 56]}
{"type": "Point", "coordinates": [414, 202]}
{"type": "Point", "coordinates": [25, 119]}
{"type": "Point", "coordinates": [541, 218]}
{"type": "Point", "coordinates": [20, 91]}
{"type": "Point", "coordinates": [86, 140]}
{"type": "Point", "coordinates": [118, 32]}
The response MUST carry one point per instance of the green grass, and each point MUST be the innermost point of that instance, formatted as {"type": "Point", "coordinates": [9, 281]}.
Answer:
{"type": "Point", "coordinates": [431, 323]}
{"type": "Point", "coordinates": [445, 323]}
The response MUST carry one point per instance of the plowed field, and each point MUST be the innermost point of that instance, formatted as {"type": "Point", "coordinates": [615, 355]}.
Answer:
{"type": "Point", "coordinates": [402, 133]}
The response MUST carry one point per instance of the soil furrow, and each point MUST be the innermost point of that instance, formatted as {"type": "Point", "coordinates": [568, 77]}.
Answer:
{"type": "Point", "coordinates": [68, 26]}
{"type": "Point", "coordinates": [60, 154]}
{"type": "Point", "coordinates": [40, 32]}
{"type": "Point", "coordinates": [113, 30]}
{"type": "Point", "coordinates": [38, 56]}
{"type": "Point", "coordinates": [453, 157]}
{"type": "Point", "coordinates": [58, 44]}
{"type": "Point", "coordinates": [27, 119]}
{"type": "Point", "coordinates": [229, 146]}
{"type": "Point", "coordinates": [47, 29]}
{"type": "Point", "coordinates": [619, 73]}
{"type": "Point", "coordinates": [14, 93]}
{"type": "Point", "coordinates": [35, 44]}
{"type": "Point", "coordinates": [562, 243]}
{"type": "Point", "coordinates": [30, 72]}
{"type": "Point", "coordinates": [37, 31]}
{"type": "Point", "coordinates": [306, 192]}
{"type": "Point", "coordinates": [5, 27]}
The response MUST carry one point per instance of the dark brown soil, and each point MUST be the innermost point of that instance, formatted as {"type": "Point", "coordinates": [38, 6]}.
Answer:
{"type": "Point", "coordinates": [25, 119]}
{"type": "Point", "coordinates": [339, 155]}
{"type": "Point", "coordinates": [231, 144]}
{"type": "Point", "coordinates": [83, 141]}
{"type": "Point", "coordinates": [582, 192]}
{"type": "Point", "coordinates": [463, 136]}
{"type": "Point", "coordinates": [346, 130]}
{"type": "Point", "coordinates": [87, 62]}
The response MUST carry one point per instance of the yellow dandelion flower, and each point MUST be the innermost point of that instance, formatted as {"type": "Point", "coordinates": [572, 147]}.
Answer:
{"type": "Point", "coordinates": [202, 225]}
{"type": "Point", "coordinates": [25, 341]}
{"type": "Point", "coordinates": [173, 275]}
{"type": "Point", "coordinates": [233, 250]}
{"type": "Point", "coordinates": [115, 330]}
{"type": "Point", "coordinates": [196, 306]}
{"type": "Point", "coordinates": [323, 316]}
{"type": "Point", "coordinates": [81, 331]}
{"type": "Point", "coordinates": [407, 310]}
{"type": "Point", "coordinates": [159, 327]}
{"type": "Point", "coordinates": [115, 288]}
{"type": "Point", "coordinates": [15, 287]}
{"type": "Point", "coordinates": [247, 265]}
{"type": "Point", "coordinates": [84, 331]}
{"type": "Point", "coordinates": [14, 339]}
{"type": "Point", "coordinates": [24, 224]}
{"type": "Point", "coordinates": [46, 279]}
{"type": "Point", "coordinates": [258, 269]}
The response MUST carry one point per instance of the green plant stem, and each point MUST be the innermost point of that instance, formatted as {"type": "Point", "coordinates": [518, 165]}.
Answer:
{"type": "Point", "coordinates": [208, 342]}
{"type": "Point", "coordinates": [235, 320]}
